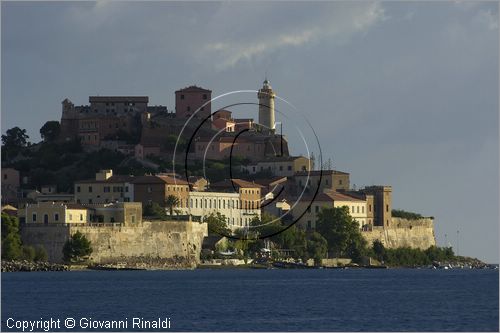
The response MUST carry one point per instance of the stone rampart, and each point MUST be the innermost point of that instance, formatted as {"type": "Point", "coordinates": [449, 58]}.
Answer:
{"type": "Point", "coordinates": [404, 233]}
{"type": "Point", "coordinates": [162, 244]}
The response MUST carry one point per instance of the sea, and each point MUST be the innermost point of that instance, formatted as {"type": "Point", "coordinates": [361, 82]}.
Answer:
{"type": "Point", "coordinates": [251, 300]}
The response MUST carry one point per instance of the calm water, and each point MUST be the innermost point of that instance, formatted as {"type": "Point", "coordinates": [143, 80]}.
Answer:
{"type": "Point", "coordinates": [262, 300]}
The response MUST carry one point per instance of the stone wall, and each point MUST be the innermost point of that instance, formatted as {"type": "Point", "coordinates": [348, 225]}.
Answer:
{"type": "Point", "coordinates": [162, 244]}
{"type": "Point", "coordinates": [404, 233]}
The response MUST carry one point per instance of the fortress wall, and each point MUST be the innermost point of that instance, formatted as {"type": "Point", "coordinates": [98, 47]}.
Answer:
{"type": "Point", "coordinates": [404, 233]}
{"type": "Point", "coordinates": [162, 244]}
{"type": "Point", "coordinates": [51, 237]}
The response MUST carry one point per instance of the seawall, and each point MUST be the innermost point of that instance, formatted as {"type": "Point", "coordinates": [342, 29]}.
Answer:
{"type": "Point", "coordinates": [162, 244]}
{"type": "Point", "coordinates": [404, 233]}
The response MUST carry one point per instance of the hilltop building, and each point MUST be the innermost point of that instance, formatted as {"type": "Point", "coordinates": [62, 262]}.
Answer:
{"type": "Point", "coordinates": [191, 99]}
{"type": "Point", "coordinates": [129, 125]}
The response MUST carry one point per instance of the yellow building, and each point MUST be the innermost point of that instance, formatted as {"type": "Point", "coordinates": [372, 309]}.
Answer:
{"type": "Point", "coordinates": [54, 212]}
{"type": "Point", "coordinates": [105, 188]}
{"type": "Point", "coordinates": [280, 166]}
{"type": "Point", "coordinates": [330, 180]}
{"type": "Point", "coordinates": [357, 208]}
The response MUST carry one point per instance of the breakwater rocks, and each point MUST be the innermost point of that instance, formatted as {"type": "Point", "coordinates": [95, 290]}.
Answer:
{"type": "Point", "coordinates": [30, 266]}
{"type": "Point", "coordinates": [146, 263]}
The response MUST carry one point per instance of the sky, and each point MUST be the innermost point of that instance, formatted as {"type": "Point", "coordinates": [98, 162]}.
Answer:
{"type": "Point", "coordinates": [398, 93]}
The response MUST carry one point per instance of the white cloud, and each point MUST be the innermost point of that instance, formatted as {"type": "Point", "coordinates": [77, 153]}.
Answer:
{"type": "Point", "coordinates": [334, 21]}
{"type": "Point", "coordinates": [487, 18]}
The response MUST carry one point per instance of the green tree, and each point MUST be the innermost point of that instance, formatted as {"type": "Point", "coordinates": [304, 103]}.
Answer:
{"type": "Point", "coordinates": [28, 253]}
{"type": "Point", "coordinates": [40, 254]}
{"type": "Point", "coordinates": [406, 215]}
{"type": "Point", "coordinates": [155, 211]}
{"type": "Point", "coordinates": [11, 240]}
{"type": "Point", "coordinates": [317, 247]}
{"type": "Point", "coordinates": [15, 137]}
{"type": "Point", "coordinates": [171, 202]}
{"type": "Point", "coordinates": [77, 248]}
{"type": "Point", "coordinates": [341, 232]}
{"type": "Point", "coordinates": [50, 130]}
{"type": "Point", "coordinates": [217, 224]}
{"type": "Point", "coordinates": [14, 140]}
{"type": "Point", "coordinates": [378, 250]}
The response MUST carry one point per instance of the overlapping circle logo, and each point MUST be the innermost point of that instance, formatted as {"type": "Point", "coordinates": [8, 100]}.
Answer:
{"type": "Point", "coordinates": [237, 145]}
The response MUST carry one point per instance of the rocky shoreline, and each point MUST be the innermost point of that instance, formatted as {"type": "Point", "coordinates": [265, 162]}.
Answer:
{"type": "Point", "coordinates": [30, 266]}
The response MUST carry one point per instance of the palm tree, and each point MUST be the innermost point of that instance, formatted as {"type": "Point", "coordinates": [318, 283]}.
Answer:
{"type": "Point", "coordinates": [171, 201]}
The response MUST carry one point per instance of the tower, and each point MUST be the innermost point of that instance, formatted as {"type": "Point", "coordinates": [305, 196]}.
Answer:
{"type": "Point", "coordinates": [266, 106]}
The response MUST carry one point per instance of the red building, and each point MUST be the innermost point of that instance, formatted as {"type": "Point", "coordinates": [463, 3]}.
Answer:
{"type": "Point", "coordinates": [190, 99]}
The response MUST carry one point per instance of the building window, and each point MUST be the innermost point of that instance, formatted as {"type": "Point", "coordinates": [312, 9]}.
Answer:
{"type": "Point", "coordinates": [5, 176]}
{"type": "Point", "coordinates": [340, 181]}
{"type": "Point", "coordinates": [204, 96]}
{"type": "Point", "coordinates": [370, 208]}
{"type": "Point", "coordinates": [289, 168]}
{"type": "Point", "coordinates": [316, 209]}
{"type": "Point", "coordinates": [387, 208]}
{"type": "Point", "coordinates": [357, 209]}
{"type": "Point", "coordinates": [81, 217]}
{"type": "Point", "coordinates": [188, 108]}
{"type": "Point", "coordinates": [126, 188]}
{"type": "Point", "coordinates": [326, 181]}
{"type": "Point", "coordinates": [90, 189]}
{"type": "Point", "coordinates": [309, 209]}
{"type": "Point", "coordinates": [281, 168]}
{"type": "Point", "coordinates": [309, 226]}
{"type": "Point", "coordinates": [182, 96]}
{"type": "Point", "coordinates": [363, 209]}
{"type": "Point", "coordinates": [150, 189]}
{"type": "Point", "coordinates": [34, 217]}
{"type": "Point", "coordinates": [78, 189]}
{"type": "Point", "coordinates": [56, 217]}
{"type": "Point", "coordinates": [352, 210]}
{"type": "Point", "coordinates": [90, 201]}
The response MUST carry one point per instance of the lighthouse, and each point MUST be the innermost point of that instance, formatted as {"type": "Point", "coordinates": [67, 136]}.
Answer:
{"type": "Point", "coordinates": [266, 106]}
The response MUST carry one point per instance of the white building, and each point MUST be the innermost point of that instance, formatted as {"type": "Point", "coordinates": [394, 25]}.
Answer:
{"type": "Point", "coordinates": [202, 204]}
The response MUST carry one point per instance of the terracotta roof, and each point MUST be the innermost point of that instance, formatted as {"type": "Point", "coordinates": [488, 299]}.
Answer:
{"type": "Point", "coordinates": [317, 172]}
{"type": "Point", "coordinates": [226, 183]}
{"type": "Point", "coordinates": [271, 181]}
{"type": "Point", "coordinates": [329, 197]}
{"type": "Point", "coordinates": [159, 180]}
{"type": "Point", "coordinates": [193, 88]}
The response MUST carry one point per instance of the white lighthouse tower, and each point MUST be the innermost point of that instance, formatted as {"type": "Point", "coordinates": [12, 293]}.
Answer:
{"type": "Point", "coordinates": [266, 106]}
